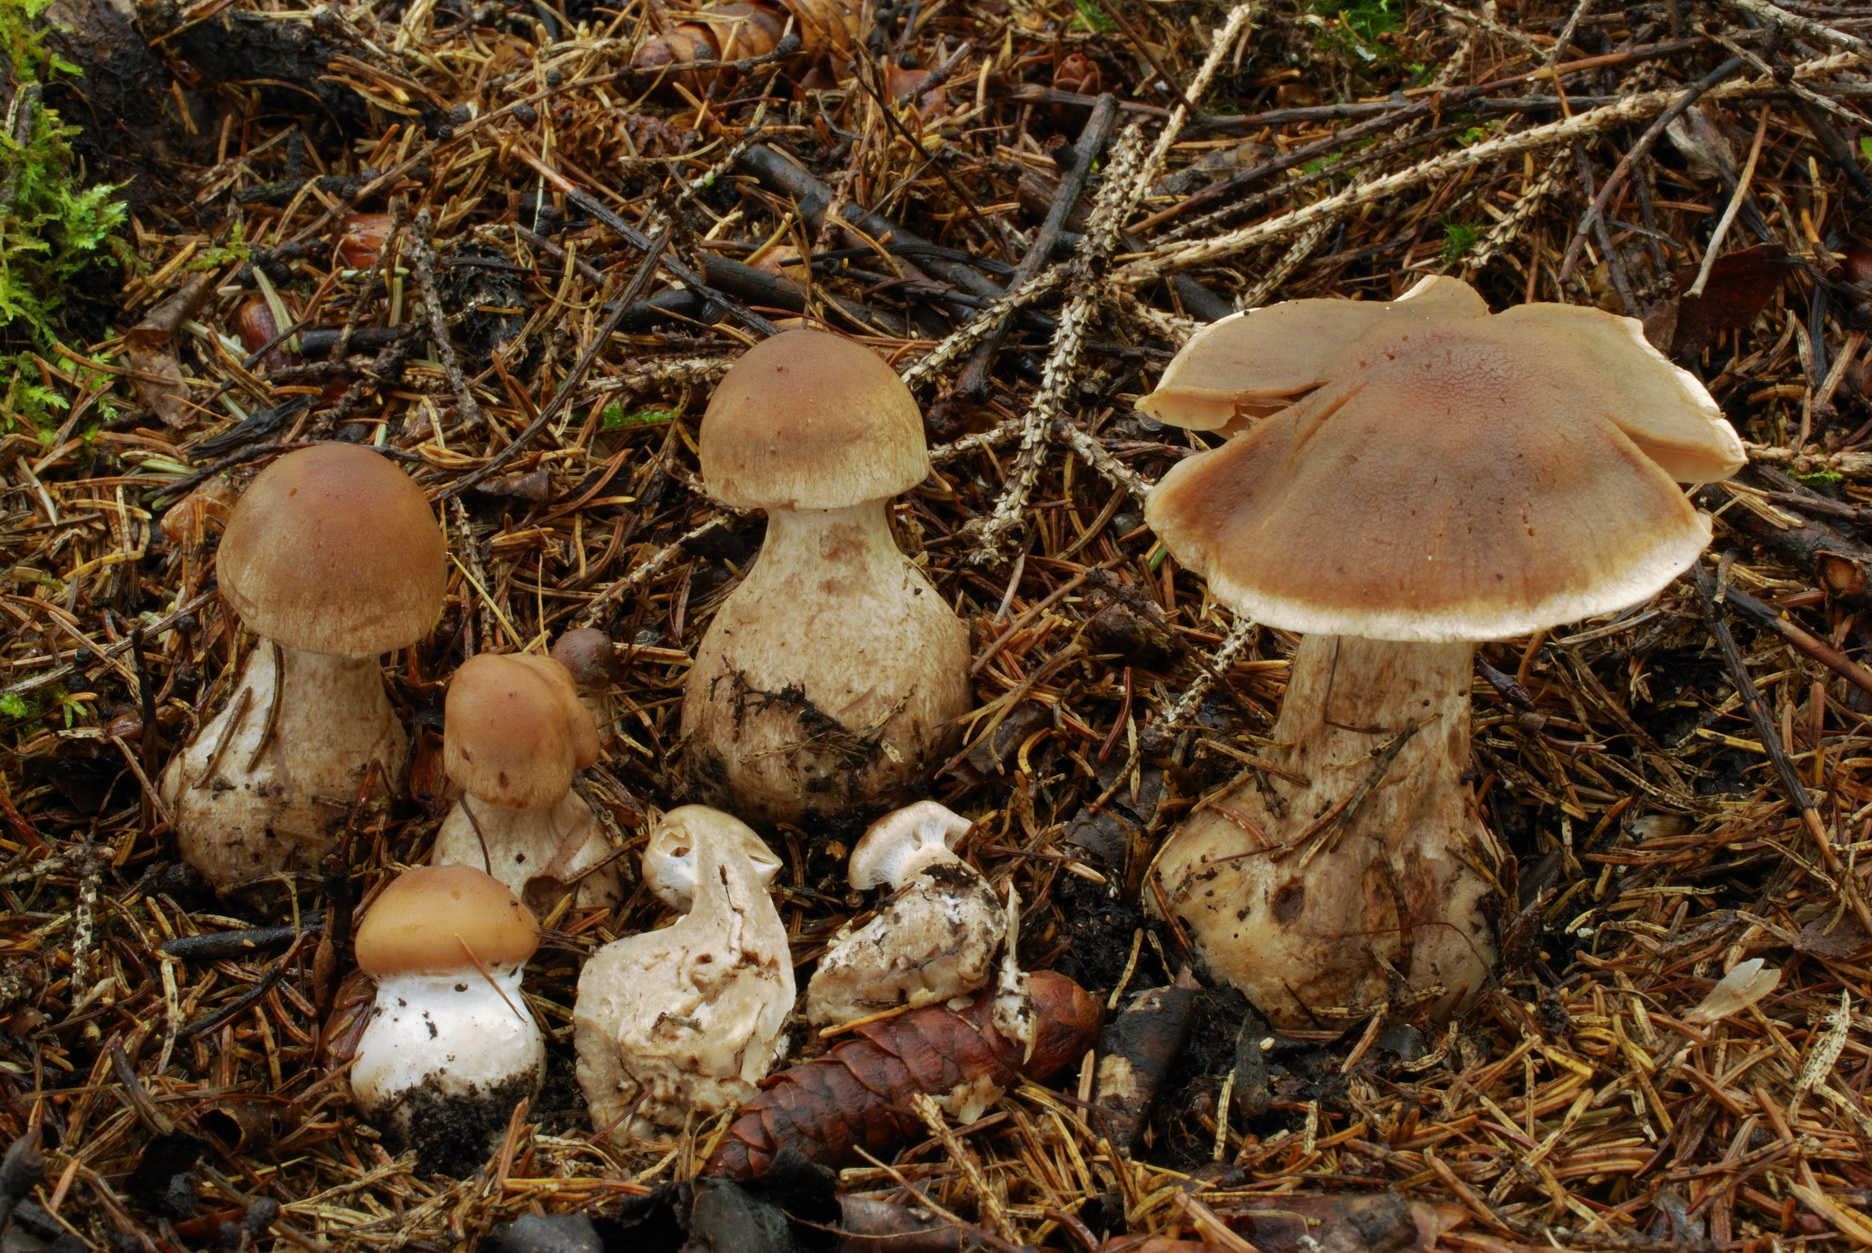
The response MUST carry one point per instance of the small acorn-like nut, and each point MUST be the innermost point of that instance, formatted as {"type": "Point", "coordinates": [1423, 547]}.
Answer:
{"type": "Point", "coordinates": [256, 326]}
{"type": "Point", "coordinates": [361, 243]}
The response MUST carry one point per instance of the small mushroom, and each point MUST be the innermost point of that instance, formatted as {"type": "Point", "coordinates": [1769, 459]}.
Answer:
{"type": "Point", "coordinates": [679, 1024]}
{"type": "Point", "coordinates": [1442, 476]}
{"type": "Point", "coordinates": [935, 937]}
{"type": "Point", "coordinates": [831, 677]}
{"type": "Point", "coordinates": [451, 1047]}
{"type": "Point", "coordinates": [513, 735]}
{"type": "Point", "coordinates": [333, 557]}
{"type": "Point", "coordinates": [592, 660]}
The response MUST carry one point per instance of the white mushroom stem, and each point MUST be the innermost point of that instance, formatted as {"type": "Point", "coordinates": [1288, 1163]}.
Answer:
{"type": "Point", "coordinates": [1310, 896]}
{"type": "Point", "coordinates": [828, 678]}
{"type": "Point", "coordinates": [265, 784]}
{"type": "Point", "coordinates": [518, 846]}
{"type": "Point", "coordinates": [469, 1031]}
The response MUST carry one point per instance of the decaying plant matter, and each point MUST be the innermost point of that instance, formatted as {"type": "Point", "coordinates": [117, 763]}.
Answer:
{"type": "Point", "coordinates": [736, 30]}
{"type": "Point", "coordinates": [859, 1095]}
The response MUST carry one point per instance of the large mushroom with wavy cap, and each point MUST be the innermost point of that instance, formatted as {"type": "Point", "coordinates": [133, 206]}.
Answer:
{"type": "Point", "coordinates": [514, 736]}
{"type": "Point", "coordinates": [1438, 477]}
{"type": "Point", "coordinates": [830, 679]}
{"type": "Point", "coordinates": [333, 557]}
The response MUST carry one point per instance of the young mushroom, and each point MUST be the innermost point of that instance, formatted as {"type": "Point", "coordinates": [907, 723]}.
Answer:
{"type": "Point", "coordinates": [332, 557]}
{"type": "Point", "coordinates": [680, 1024]}
{"type": "Point", "coordinates": [514, 734]}
{"type": "Point", "coordinates": [830, 678]}
{"type": "Point", "coordinates": [935, 937]}
{"type": "Point", "coordinates": [1438, 481]}
{"type": "Point", "coordinates": [592, 660]}
{"type": "Point", "coordinates": [451, 1047]}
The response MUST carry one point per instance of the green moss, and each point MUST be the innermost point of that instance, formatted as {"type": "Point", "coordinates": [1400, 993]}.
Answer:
{"type": "Point", "coordinates": [51, 226]}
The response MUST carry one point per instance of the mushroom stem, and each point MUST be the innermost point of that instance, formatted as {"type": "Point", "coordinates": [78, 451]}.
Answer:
{"type": "Point", "coordinates": [265, 785]}
{"type": "Point", "coordinates": [1315, 898]}
{"type": "Point", "coordinates": [465, 1029]}
{"type": "Point", "coordinates": [521, 846]}
{"type": "Point", "coordinates": [826, 679]}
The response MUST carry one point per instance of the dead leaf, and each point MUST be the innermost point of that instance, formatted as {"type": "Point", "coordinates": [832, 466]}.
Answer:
{"type": "Point", "coordinates": [1735, 992]}
{"type": "Point", "coordinates": [154, 371]}
{"type": "Point", "coordinates": [1840, 939]}
{"type": "Point", "coordinates": [1740, 286]}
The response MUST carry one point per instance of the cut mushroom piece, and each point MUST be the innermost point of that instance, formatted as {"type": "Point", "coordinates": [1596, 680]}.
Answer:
{"type": "Point", "coordinates": [451, 1048]}
{"type": "Point", "coordinates": [679, 1024]}
{"type": "Point", "coordinates": [514, 734]}
{"type": "Point", "coordinates": [1452, 479]}
{"type": "Point", "coordinates": [830, 679]}
{"type": "Point", "coordinates": [933, 939]}
{"type": "Point", "coordinates": [333, 557]}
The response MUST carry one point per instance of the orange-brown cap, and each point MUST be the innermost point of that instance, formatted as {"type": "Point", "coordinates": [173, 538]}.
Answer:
{"type": "Point", "coordinates": [332, 549]}
{"type": "Point", "coordinates": [434, 920]}
{"type": "Point", "coordinates": [1469, 479]}
{"type": "Point", "coordinates": [514, 730]}
{"type": "Point", "coordinates": [810, 420]}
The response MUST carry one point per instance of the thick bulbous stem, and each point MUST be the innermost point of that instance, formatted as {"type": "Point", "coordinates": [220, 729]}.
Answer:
{"type": "Point", "coordinates": [536, 853]}
{"type": "Point", "coordinates": [829, 680]}
{"type": "Point", "coordinates": [265, 786]}
{"type": "Point", "coordinates": [1372, 880]}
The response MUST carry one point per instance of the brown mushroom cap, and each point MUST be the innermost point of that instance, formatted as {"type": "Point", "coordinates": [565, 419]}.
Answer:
{"type": "Point", "coordinates": [809, 420]}
{"type": "Point", "coordinates": [589, 657]}
{"type": "Point", "coordinates": [1264, 358]}
{"type": "Point", "coordinates": [513, 730]}
{"type": "Point", "coordinates": [332, 549]}
{"type": "Point", "coordinates": [1454, 481]}
{"type": "Point", "coordinates": [434, 920]}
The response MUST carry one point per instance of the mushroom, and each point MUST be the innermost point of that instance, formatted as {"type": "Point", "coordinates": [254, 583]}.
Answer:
{"type": "Point", "coordinates": [1438, 481]}
{"type": "Point", "coordinates": [683, 1023]}
{"type": "Point", "coordinates": [832, 676]}
{"type": "Point", "coordinates": [333, 557]}
{"type": "Point", "coordinates": [451, 1048]}
{"type": "Point", "coordinates": [935, 937]}
{"type": "Point", "coordinates": [513, 735]}
{"type": "Point", "coordinates": [592, 661]}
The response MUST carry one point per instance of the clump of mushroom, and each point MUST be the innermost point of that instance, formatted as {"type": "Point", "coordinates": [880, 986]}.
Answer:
{"type": "Point", "coordinates": [682, 1023]}
{"type": "Point", "coordinates": [1442, 477]}
{"type": "Point", "coordinates": [513, 735]}
{"type": "Point", "coordinates": [451, 1047]}
{"type": "Point", "coordinates": [935, 937]}
{"type": "Point", "coordinates": [829, 679]}
{"type": "Point", "coordinates": [332, 557]}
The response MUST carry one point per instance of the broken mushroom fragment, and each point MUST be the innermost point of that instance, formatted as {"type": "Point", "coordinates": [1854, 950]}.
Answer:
{"type": "Point", "coordinates": [451, 1047]}
{"type": "Point", "coordinates": [1450, 479]}
{"type": "Point", "coordinates": [513, 736]}
{"type": "Point", "coordinates": [682, 1023]}
{"type": "Point", "coordinates": [829, 679]}
{"type": "Point", "coordinates": [332, 557]}
{"type": "Point", "coordinates": [933, 939]}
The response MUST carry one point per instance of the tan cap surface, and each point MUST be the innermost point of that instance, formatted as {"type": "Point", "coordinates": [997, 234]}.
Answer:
{"type": "Point", "coordinates": [810, 420]}
{"type": "Point", "coordinates": [513, 730]}
{"type": "Point", "coordinates": [1453, 482]}
{"type": "Point", "coordinates": [1268, 356]}
{"type": "Point", "coordinates": [430, 919]}
{"type": "Point", "coordinates": [332, 549]}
